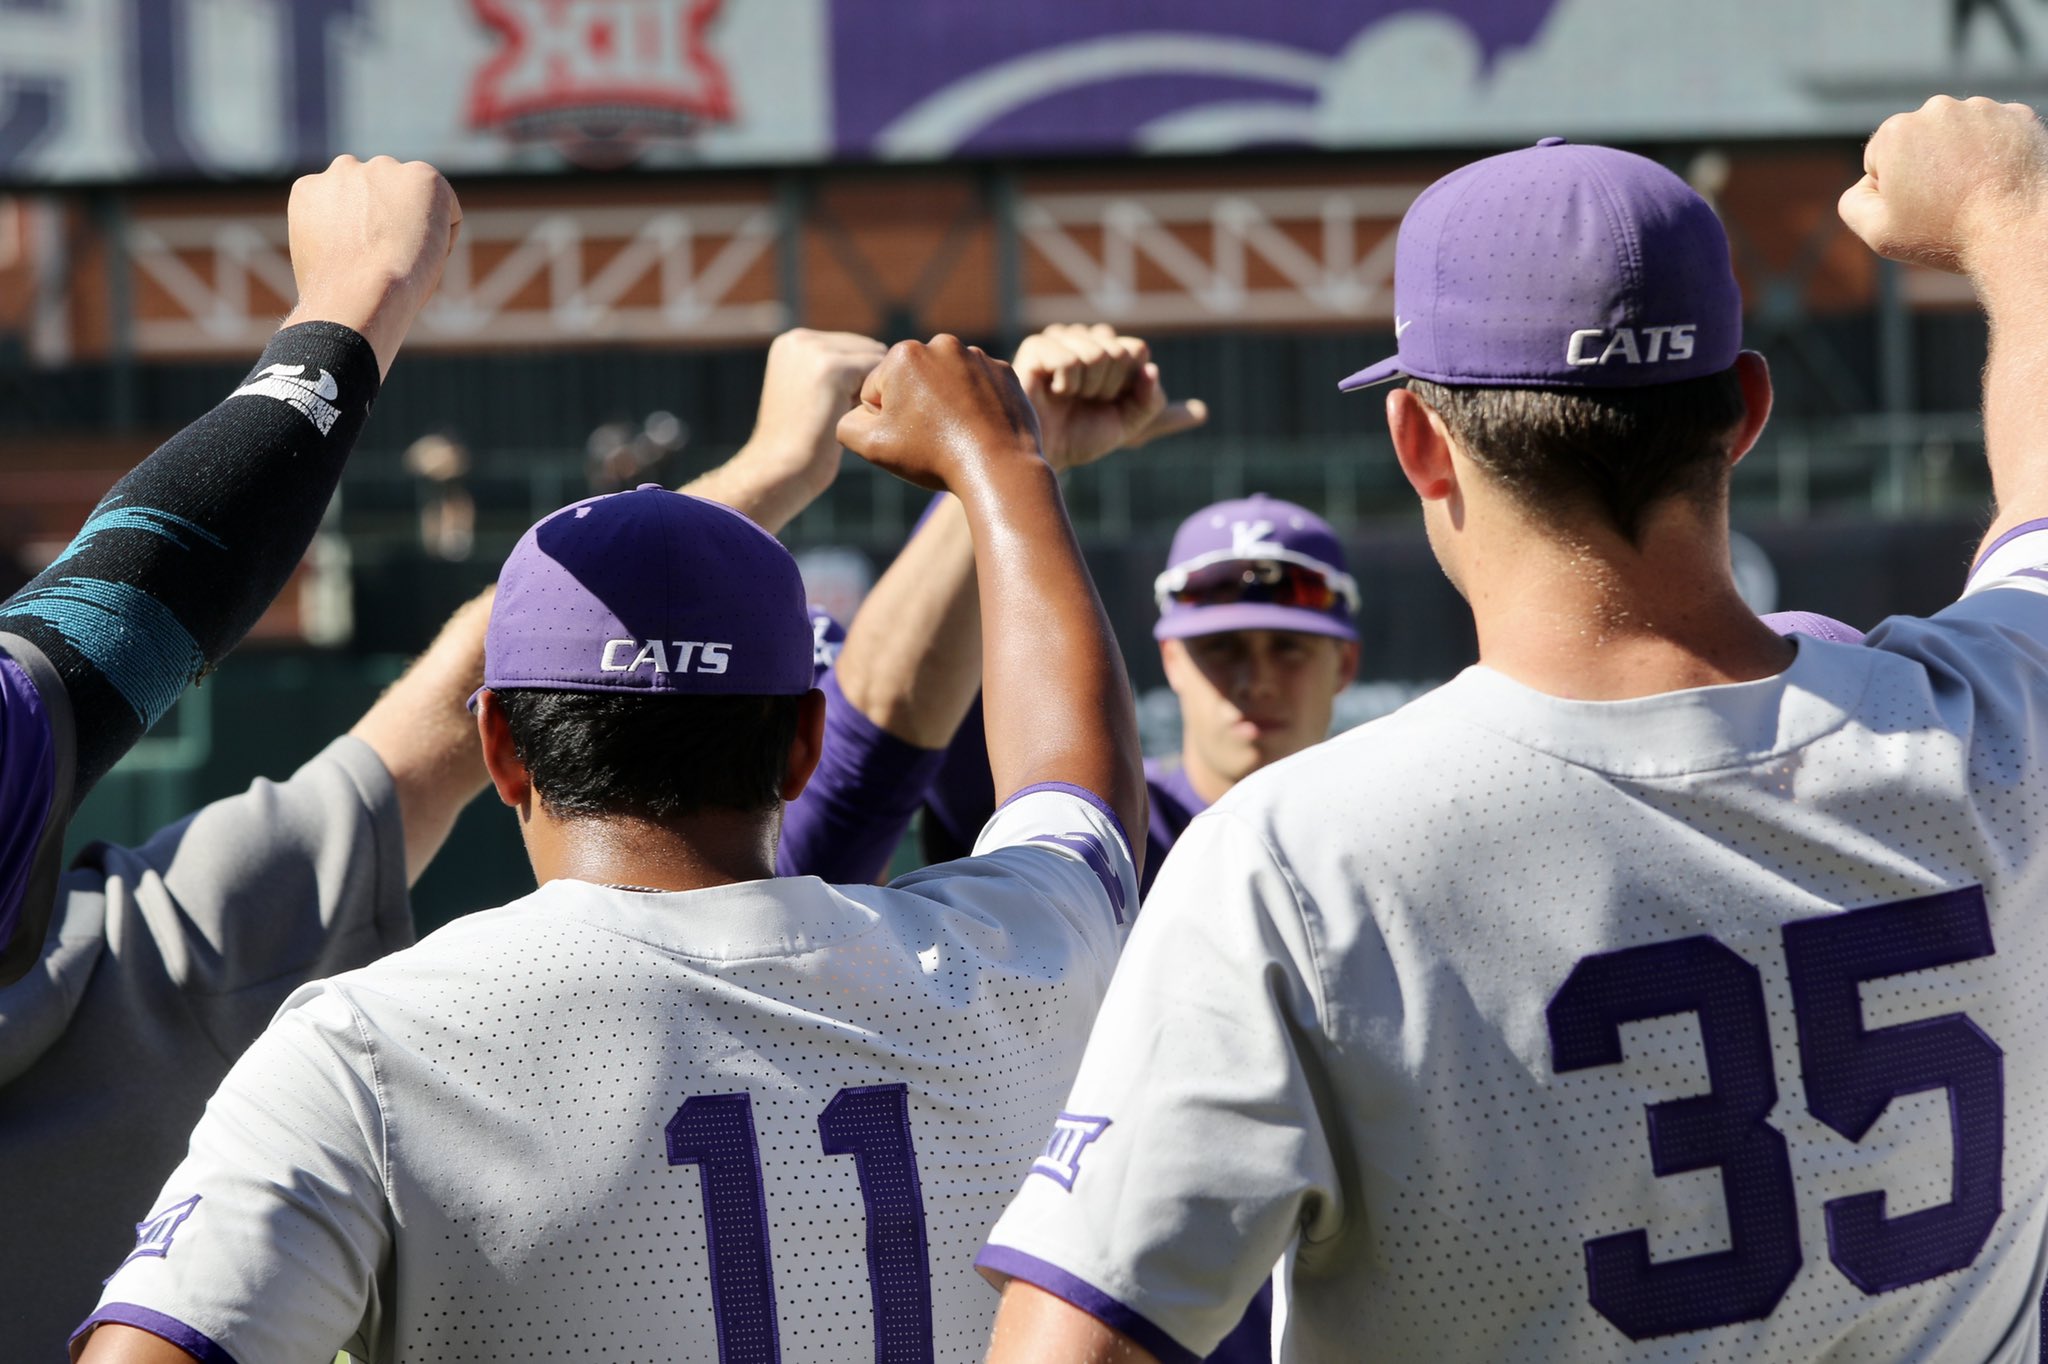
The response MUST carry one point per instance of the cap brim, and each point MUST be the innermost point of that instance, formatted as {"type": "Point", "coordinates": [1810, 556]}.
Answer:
{"type": "Point", "coordinates": [1190, 621]}
{"type": "Point", "coordinates": [1389, 368]}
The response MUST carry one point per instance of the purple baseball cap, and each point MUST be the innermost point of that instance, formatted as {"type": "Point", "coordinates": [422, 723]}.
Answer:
{"type": "Point", "coordinates": [1561, 266]}
{"type": "Point", "coordinates": [648, 592]}
{"type": "Point", "coordinates": [1256, 563]}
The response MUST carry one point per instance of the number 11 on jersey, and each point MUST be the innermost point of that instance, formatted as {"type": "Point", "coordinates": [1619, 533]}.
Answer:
{"type": "Point", "coordinates": [871, 1123]}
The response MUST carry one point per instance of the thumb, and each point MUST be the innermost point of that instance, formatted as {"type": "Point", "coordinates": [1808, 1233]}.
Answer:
{"type": "Point", "coordinates": [1173, 419]}
{"type": "Point", "coordinates": [857, 429]}
{"type": "Point", "coordinates": [1864, 210]}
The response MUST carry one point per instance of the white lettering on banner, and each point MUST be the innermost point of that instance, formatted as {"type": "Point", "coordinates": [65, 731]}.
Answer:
{"type": "Point", "coordinates": [711, 658]}
{"type": "Point", "coordinates": [1630, 345]}
{"type": "Point", "coordinates": [565, 56]}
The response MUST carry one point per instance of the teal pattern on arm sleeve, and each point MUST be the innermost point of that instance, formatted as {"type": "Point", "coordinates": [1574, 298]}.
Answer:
{"type": "Point", "coordinates": [141, 648]}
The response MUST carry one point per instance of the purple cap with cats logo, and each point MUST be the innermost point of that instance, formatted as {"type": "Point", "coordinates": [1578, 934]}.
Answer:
{"type": "Point", "coordinates": [650, 592]}
{"type": "Point", "coordinates": [1561, 266]}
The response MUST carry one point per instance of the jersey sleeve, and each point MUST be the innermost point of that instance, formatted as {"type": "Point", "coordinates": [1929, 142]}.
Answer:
{"type": "Point", "coordinates": [35, 783]}
{"type": "Point", "coordinates": [268, 1241]}
{"type": "Point", "coordinates": [1052, 848]}
{"type": "Point", "coordinates": [858, 804]}
{"type": "Point", "coordinates": [1992, 643]}
{"type": "Point", "coordinates": [251, 896]}
{"type": "Point", "coordinates": [2018, 558]}
{"type": "Point", "coordinates": [1192, 1150]}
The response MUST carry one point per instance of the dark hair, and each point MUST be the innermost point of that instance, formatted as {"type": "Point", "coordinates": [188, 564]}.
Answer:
{"type": "Point", "coordinates": [653, 757]}
{"type": "Point", "coordinates": [1617, 451]}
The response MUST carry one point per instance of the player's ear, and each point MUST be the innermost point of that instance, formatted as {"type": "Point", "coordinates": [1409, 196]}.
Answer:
{"type": "Point", "coordinates": [1422, 445]}
{"type": "Point", "coordinates": [808, 746]}
{"type": "Point", "coordinates": [1173, 658]}
{"type": "Point", "coordinates": [1753, 372]}
{"type": "Point", "coordinates": [1347, 663]}
{"type": "Point", "coordinates": [501, 756]}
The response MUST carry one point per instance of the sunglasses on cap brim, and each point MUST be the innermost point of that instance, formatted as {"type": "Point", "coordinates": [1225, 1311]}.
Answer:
{"type": "Point", "coordinates": [1261, 582]}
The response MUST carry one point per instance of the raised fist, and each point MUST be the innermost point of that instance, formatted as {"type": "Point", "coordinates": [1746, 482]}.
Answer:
{"type": "Point", "coordinates": [931, 414]}
{"type": "Point", "coordinates": [1941, 182]}
{"type": "Point", "coordinates": [368, 240]}
{"type": "Point", "coordinates": [813, 380]}
{"type": "Point", "coordinates": [1095, 391]}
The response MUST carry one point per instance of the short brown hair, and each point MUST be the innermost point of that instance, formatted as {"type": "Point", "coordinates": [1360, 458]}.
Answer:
{"type": "Point", "coordinates": [1616, 451]}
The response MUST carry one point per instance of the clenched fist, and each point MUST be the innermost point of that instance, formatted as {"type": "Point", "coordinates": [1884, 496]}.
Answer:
{"type": "Point", "coordinates": [813, 380]}
{"type": "Point", "coordinates": [1095, 391]}
{"type": "Point", "coordinates": [933, 414]}
{"type": "Point", "coordinates": [368, 240]}
{"type": "Point", "coordinates": [1941, 183]}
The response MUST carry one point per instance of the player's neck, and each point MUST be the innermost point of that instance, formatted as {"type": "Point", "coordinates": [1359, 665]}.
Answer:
{"type": "Point", "coordinates": [710, 848]}
{"type": "Point", "coordinates": [1594, 618]}
{"type": "Point", "coordinates": [1204, 780]}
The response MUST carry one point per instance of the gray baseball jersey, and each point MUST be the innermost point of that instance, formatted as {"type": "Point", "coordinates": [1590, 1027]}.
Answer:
{"type": "Point", "coordinates": [1708, 1025]}
{"type": "Point", "coordinates": [163, 962]}
{"type": "Point", "coordinates": [760, 1121]}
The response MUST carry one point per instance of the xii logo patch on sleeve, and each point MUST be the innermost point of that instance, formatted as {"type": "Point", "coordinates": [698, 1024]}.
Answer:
{"type": "Point", "coordinates": [153, 1237]}
{"type": "Point", "coordinates": [1072, 1134]}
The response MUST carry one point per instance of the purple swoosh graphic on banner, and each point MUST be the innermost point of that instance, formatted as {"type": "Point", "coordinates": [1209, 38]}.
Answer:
{"type": "Point", "coordinates": [1080, 77]}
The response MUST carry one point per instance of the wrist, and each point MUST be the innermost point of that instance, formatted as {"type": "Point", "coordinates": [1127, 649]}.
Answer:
{"type": "Point", "coordinates": [784, 462]}
{"type": "Point", "coordinates": [997, 479]}
{"type": "Point", "coordinates": [2011, 245]}
{"type": "Point", "coordinates": [376, 316]}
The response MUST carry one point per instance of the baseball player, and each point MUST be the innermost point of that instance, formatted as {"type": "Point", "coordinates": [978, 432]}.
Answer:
{"type": "Point", "coordinates": [136, 975]}
{"type": "Point", "coordinates": [160, 963]}
{"type": "Point", "coordinates": [1256, 636]}
{"type": "Point", "coordinates": [1647, 991]}
{"type": "Point", "coordinates": [669, 1106]}
{"type": "Point", "coordinates": [187, 550]}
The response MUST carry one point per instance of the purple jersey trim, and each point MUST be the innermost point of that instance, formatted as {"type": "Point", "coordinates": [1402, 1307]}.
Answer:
{"type": "Point", "coordinates": [2025, 528]}
{"type": "Point", "coordinates": [192, 1342]}
{"type": "Point", "coordinates": [28, 783]}
{"type": "Point", "coordinates": [1087, 1297]}
{"type": "Point", "coordinates": [1079, 793]}
{"type": "Point", "coordinates": [1095, 857]}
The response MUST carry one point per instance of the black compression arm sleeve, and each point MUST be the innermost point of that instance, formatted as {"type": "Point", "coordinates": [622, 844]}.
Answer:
{"type": "Point", "coordinates": [190, 548]}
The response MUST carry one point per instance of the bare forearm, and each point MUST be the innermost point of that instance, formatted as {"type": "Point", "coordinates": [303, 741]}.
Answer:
{"type": "Point", "coordinates": [1057, 703]}
{"type": "Point", "coordinates": [2012, 278]}
{"type": "Point", "coordinates": [1034, 1327]}
{"type": "Point", "coordinates": [768, 487]}
{"type": "Point", "coordinates": [912, 658]}
{"type": "Point", "coordinates": [427, 740]}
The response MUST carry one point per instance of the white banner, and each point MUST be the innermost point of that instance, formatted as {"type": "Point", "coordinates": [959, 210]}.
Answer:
{"type": "Point", "coordinates": [136, 89]}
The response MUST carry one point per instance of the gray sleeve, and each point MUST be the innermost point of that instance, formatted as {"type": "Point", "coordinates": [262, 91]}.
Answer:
{"type": "Point", "coordinates": [269, 1242]}
{"type": "Point", "coordinates": [1193, 1147]}
{"type": "Point", "coordinates": [253, 895]}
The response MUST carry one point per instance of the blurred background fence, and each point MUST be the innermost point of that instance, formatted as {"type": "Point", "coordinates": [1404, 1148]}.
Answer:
{"type": "Point", "coordinates": [654, 188]}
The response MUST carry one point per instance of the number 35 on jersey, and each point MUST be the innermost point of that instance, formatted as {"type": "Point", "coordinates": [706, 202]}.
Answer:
{"type": "Point", "coordinates": [1850, 1075]}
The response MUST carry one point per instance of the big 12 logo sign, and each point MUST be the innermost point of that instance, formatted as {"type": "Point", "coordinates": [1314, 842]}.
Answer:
{"type": "Point", "coordinates": [600, 78]}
